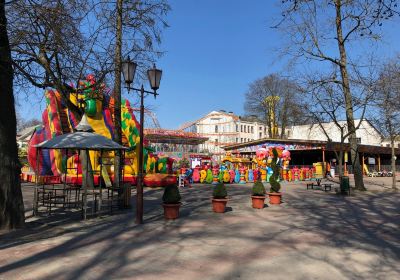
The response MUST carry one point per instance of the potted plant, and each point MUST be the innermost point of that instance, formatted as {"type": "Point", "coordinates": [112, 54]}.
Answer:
{"type": "Point", "coordinates": [274, 194]}
{"type": "Point", "coordinates": [171, 202]}
{"type": "Point", "coordinates": [258, 195]}
{"type": "Point", "coordinates": [219, 198]}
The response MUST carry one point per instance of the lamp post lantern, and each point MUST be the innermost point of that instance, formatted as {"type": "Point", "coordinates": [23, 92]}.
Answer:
{"type": "Point", "coordinates": [128, 71]}
{"type": "Point", "coordinates": [154, 76]}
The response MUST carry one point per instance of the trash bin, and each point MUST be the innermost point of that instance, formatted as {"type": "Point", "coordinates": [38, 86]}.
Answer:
{"type": "Point", "coordinates": [345, 185]}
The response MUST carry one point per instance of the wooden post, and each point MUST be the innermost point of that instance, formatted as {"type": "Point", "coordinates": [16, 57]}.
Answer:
{"type": "Point", "coordinates": [35, 194]}
{"type": "Point", "coordinates": [323, 162]}
{"type": "Point", "coordinates": [85, 183]}
{"type": "Point", "coordinates": [363, 162]}
{"type": "Point", "coordinates": [379, 162]}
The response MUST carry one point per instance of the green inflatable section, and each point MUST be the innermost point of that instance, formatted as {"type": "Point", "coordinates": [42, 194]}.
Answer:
{"type": "Point", "coordinates": [90, 107]}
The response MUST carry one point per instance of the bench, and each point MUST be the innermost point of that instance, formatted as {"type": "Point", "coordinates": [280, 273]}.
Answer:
{"type": "Point", "coordinates": [327, 186]}
{"type": "Point", "coordinates": [310, 186]}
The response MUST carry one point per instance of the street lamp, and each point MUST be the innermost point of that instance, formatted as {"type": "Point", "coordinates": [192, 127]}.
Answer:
{"type": "Point", "coordinates": [154, 76]}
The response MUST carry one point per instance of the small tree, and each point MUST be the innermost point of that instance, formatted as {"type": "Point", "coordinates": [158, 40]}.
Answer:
{"type": "Point", "coordinates": [273, 180]}
{"type": "Point", "coordinates": [258, 189]}
{"type": "Point", "coordinates": [171, 195]}
{"type": "Point", "coordinates": [220, 191]}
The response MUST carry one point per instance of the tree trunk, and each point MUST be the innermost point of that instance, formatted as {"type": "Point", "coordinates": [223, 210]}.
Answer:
{"type": "Point", "coordinates": [284, 118]}
{"type": "Point", "coordinates": [358, 176]}
{"type": "Point", "coordinates": [393, 164]}
{"type": "Point", "coordinates": [340, 163]}
{"type": "Point", "coordinates": [12, 214]}
{"type": "Point", "coordinates": [117, 94]}
{"type": "Point", "coordinates": [269, 123]}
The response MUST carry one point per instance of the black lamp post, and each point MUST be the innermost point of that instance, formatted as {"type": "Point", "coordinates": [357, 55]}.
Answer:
{"type": "Point", "coordinates": [154, 76]}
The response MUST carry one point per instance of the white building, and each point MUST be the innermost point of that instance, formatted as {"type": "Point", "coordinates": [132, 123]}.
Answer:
{"type": "Point", "coordinates": [387, 143]}
{"type": "Point", "coordinates": [366, 134]}
{"type": "Point", "coordinates": [225, 128]}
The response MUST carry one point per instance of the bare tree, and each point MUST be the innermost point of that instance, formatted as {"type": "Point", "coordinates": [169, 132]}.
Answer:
{"type": "Point", "coordinates": [53, 43]}
{"type": "Point", "coordinates": [56, 43]}
{"type": "Point", "coordinates": [49, 48]}
{"type": "Point", "coordinates": [22, 124]}
{"type": "Point", "coordinates": [277, 101]}
{"type": "Point", "coordinates": [12, 214]}
{"type": "Point", "coordinates": [387, 103]}
{"type": "Point", "coordinates": [315, 27]}
{"type": "Point", "coordinates": [327, 109]}
{"type": "Point", "coordinates": [136, 27]}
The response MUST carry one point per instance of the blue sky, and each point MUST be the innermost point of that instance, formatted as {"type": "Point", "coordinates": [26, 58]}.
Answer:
{"type": "Point", "coordinates": [213, 50]}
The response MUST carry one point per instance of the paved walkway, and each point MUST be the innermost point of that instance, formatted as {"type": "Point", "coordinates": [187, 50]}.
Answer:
{"type": "Point", "coordinates": [312, 235]}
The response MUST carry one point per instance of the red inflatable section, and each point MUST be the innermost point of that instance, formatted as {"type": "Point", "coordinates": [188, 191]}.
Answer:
{"type": "Point", "coordinates": [38, 137]}
{"type": "Point", "coordinates": [159, 180]}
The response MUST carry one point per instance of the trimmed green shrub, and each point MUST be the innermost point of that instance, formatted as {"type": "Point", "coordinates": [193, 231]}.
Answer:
{"type": "Point", "coordinates": [273, 180]}
{"type": "Point", "coordinates": [220, 191]}
{"type": "Point", "coordinates": [258, 189]}
{"type": "Point", "coordinates": [171, 194]}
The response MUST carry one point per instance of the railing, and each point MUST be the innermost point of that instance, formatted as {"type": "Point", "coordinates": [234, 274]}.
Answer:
{"type": "Point", "coordinates": [170, 132]}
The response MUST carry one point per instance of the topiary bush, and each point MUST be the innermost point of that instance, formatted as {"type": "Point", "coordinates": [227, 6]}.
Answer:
{"type": "Point", "coordinates": [220, 191]}
{"type": "Point", "coordinates": [171, 195]}
{"type": "Point", "coordinates": [273, 180]}
{"type": "Point", "coordinates": [258, 189]}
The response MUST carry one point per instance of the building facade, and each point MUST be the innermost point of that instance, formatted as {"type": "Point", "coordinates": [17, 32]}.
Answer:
{"type": "Point", "coordinates": [387, 143]}
{"type": "Point", "coordinates": [366, 134]}
{"type": "Point", "coordinates": [225, 128]}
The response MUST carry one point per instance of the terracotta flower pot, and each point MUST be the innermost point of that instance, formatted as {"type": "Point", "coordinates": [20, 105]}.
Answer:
{"type": "Point", "coordinates": [258, 201]}
{"type": "Point", "coordinates": [219, 204]}
{"type": "Point", "coordinates": [275, 198]}
{"type": "Point", "coordinates": [171, 211]}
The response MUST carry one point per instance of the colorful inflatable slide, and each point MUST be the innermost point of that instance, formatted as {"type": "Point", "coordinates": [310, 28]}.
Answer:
{"type": "Point", "coordinates": [99, 107]}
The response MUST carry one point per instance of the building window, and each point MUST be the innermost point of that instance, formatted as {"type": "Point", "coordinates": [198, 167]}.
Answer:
{"type": "Point", "coordinates": [245, 128]}
{"type": "Point", "coordinates": [252, 129]}
{"type": "Point", "coordinates": [260, 135]}
{"type": "Point", "coordinates": [216, 129]}
{"type": "Point", "coordinates": [241, 128]}
{"type": "Point", "coordinates": [216, 141]}
{"type": "Point", "coordinates": [237, 128]}
{"type": "Point", "coordinates": [358, 140]}
{"type": "Point", "coordinates": [260, 128]}
{"type": "Point", "coordinates": [237, 140]}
